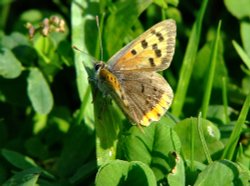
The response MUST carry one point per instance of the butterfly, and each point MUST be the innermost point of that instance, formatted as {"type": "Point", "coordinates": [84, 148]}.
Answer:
{"type": "Point", "coordinates": [130, 77]}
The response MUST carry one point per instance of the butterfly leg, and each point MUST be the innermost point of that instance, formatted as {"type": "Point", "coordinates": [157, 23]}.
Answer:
{"type": "Point", "coordinates": [138, 125]}
{"type": "Point", "coordinates": [95, 92]}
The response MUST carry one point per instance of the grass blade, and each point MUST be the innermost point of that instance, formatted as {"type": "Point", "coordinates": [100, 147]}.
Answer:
{"type": "Point", "coordinates": [188, 63]}
{"type": "Point", "coordinates": [203, 140]}
{"type": "Point", "coordinates": [224, 97]}
{"type": "Point", "coordinates": [213, 60]}
{"type": "Point", "coordinates": [234, 137]}
{"type": "Point", "coordinates": [243, 55]}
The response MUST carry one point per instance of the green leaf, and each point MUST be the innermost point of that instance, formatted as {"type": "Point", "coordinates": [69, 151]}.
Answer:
{"type": "Point", "coordinates": [84, 172]}
{"type": "Point", "coordinates": [107, 122]}
{"type": "Point", "coordinates": [39, 92]}
{"type": "Point", "coordinates": [9, 93]}
{"type": "Point", "coordinates": [177, 176]}
{"type": "Point", "coordinates": [161, 3]}
{"type": "Point", "coordinates": [4, 2]}
{"type": "Point", "coordinates": [27, 177]}
{"type": "Point", "coordinates": [15, 39]}
{"type": "Point", "coordinates": [32, 15]}
{"type": "Point", "coordinates": [118, 172]}
{"type": "Point", "coordinates": [217, 114]}
{"type": "Point", "coordinates": [84, 37]}
{"type": "Point", "coordinates": [239, 9]}
{"type": "Point", "coordinates": [74, 156]}
{"type": "Point", "coordinates": [245, 36]}
{"type": "Point", "coordinates": [22, 162]}
{"type": "Point", "coordinates": [164, 3]}
{"type": "Point", "coordinates": [223, 172]}
{"type": "Point", "coordinates": [192, 147]}
{"type": "Point", "coordinates": [152, 146]}
{"type": "Point", "coordinates": [10, 66]}
{"type": "Point", "coordinates": [45, 47]}
{"type": "Point", "coordinates": [18, 160]}
{"type": "Point", "coordinates": [243, 156]}
{"type": "Point", "coordinates": [26, 54]}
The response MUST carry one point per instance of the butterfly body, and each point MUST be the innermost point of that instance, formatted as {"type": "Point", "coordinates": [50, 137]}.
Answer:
{"type": "Point", "coordinates": [131, 77]}
{"type": "Point", "coordinates": [106, 80]}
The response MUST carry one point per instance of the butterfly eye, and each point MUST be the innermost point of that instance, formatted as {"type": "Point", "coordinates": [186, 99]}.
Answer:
{"type": "Point", "coordinates": [98, 65]}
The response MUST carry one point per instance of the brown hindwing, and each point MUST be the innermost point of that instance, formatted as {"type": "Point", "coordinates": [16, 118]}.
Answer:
{"type": "Point", "coordinates": [148, 96]}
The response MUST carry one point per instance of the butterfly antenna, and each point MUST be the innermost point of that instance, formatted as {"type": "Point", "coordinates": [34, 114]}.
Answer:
{"type": "Point", "coordinates": [92, 58]}
{"type": "Point", "coordinates": [100, 36]}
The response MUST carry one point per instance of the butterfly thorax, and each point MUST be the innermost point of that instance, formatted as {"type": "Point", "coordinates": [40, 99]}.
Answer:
{"type": "Point", "coordinates": [106, 80]}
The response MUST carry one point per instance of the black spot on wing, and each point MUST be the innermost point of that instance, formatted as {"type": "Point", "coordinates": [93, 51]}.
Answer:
{"type": "Point", "coordinates": [156, 50]}
{"type": "Point", "coordinates": [144, 44]}
{"type": "Point", "coordinates": [153, 31]}
{"type": "Point", "coordinates": [151, 61]}
{"type": "Point", "coordinates": [158, 53]}
{"type": "Point", "coordinates": [159, 36]}
{"type": "Point", "coordinates": [133, 52]}
{"type": "Point", "coordinates": [154, 46]}
{"type": "Point", "coordinates": [142, 88]}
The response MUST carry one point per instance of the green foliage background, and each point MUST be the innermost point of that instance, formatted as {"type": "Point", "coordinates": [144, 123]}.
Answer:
{"type": "Point", "coordinates": [51, 133]}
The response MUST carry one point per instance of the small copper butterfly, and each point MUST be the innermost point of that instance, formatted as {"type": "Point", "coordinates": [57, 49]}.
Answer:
{"type": "Point", "coordinates": [130, 77]}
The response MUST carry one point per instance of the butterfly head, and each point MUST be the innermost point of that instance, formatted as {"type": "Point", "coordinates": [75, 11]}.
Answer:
{"type": "Point", "coordinates": [99, 69]}
{"type": "Point", "coordinates": [98, 66]}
